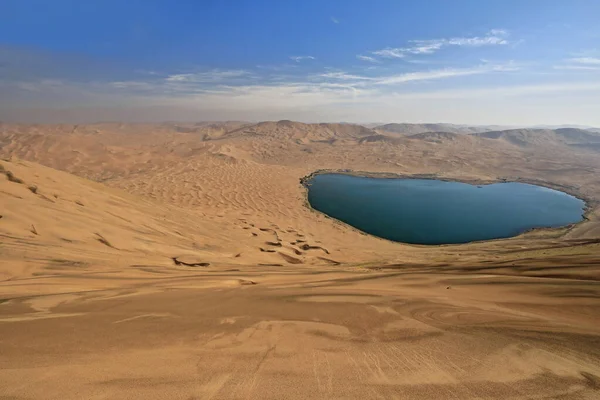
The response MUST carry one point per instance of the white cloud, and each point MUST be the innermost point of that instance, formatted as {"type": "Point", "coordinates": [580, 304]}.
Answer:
{"type": "Point", "coordinates": [444, 73]}
{"type": "Point", "coordinates": [335, 20]}
{"type": "Point", "coordinates": [477, 41]}
{"type": "Point", "coordinates": [389, 52]}
{"type": "Point", "coordinates": [367, 58]}
{"type": "Point", "coordinates": [492, 38]}
{"type": "Point", "coordinates": [329, 88]}
{"type": "Point", "coordinates": [498, 32]}
{"type": "Point", "coordinates": [207, 76]}
{"type": "Point", "coordinates": [345, 76]}
{"type": "Point", "coordinates": [146, 72]}
{"type": "Point", "coordinates": [179, 77]}
{"type": "Point", "coordinates": [301, 58]}
{"type": "Point", "coordinates": [398, 79]}
{"type": "Point", "coordinates": [577, 67]}
{"type": "Point", "coordinates": [430, 75]}
{"type": "Point", "coordinates": [41, 85]}
{"type": "Point", "coordinates": [508, 91]}
{"type": "Point", "coordinates": [131, 85]}
{"type": "Point", "coordinates": [424, 47]}
{"type": "Point", "coordinates": [585, 60]}
{"type": "Point", "coordinates": [580, 64]}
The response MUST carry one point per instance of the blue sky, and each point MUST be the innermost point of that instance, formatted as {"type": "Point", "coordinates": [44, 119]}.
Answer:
{"type": "Point", "coordinates": [497, 62]}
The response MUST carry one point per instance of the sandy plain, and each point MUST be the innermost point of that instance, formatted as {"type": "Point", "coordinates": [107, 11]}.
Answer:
{"type": "Point", "coordinates": [181, 261]}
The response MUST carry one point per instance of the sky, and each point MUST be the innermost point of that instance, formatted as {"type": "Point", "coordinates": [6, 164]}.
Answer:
{"type": "Point", "coordinates": [509, 62]}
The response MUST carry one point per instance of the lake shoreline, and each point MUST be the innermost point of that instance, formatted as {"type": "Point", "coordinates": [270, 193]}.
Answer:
{"type": "Point", "coordinates": [590, 204]}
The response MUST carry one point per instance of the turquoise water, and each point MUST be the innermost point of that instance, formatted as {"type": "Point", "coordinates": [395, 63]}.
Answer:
{"type": "Point", "coordinates": [423, 211]}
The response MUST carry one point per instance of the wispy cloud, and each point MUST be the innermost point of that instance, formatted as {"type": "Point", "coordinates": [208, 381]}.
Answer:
{"type": "Point", "coordinates": [498, 32]}
{"type": "Point", "coordinates": [585, 60]}
{"type": "Point", "coordinates": [446, 73]}
{"type": "Point", "coordinates": [335, 20]}
{"type": "Point", "coordinates": [329, 87]}
{"type": "Point", "coordinates": [329, 95]}
{"type": "Point", "coordinates": [424, 47]}
{"type": "Point", "coordinates": [208, 76]}
{"type": "Point", "coordinates": [508, 91]}
{"type": "Point", "coordinates": [367, 58]}
{"type": "Point", "coordinates": [146, 72]}
{"type": "Point", "coordinates": [492, 38]}
{"type": "Point", "coordinates": [41, 85]}
{"type": "Point", "coordinates": [134, 85]}
{"type": "Point", "coordinates": [435, 74]}
{"type": "Point", "coordinates": [389, 52]}
{"type": "Point", "coordinates": [577, 67]}
{"type": "Point", "coordinates": [345, 76]}
{"type": "Point", "coordinates": [301, 58]}
{"type": "Point", "coordinates": [580, 64]}
{"type": "Point", "coordinates": [340, 83]}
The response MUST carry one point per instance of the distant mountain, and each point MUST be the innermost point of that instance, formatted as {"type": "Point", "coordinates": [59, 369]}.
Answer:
{"type": "Point", "coordinates": [436, 136]}
{"type": "Point", "coordinates": [413, 129]}
{"type": "Point", "coordinates": [586, 127]}
{"type": "Point", "coordinates": [575, 137]}
{"type": "Point", "coordinates": [300, 132]}
{"type": "Point", "coordinates": [371, 125]}
{"type": "Point", "coordinates": [377, 138]}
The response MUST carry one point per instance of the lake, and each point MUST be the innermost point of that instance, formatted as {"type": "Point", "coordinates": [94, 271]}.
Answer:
{"type": "Point", "coordinates": [425, 211]}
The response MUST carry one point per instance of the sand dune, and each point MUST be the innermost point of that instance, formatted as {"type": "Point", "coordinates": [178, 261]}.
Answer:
{"type": "Point", "coordinates": [182, 261]}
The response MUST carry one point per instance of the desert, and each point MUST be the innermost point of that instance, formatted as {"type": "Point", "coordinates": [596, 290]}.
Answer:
{"type": "Point", "coordinates": [182, 261]}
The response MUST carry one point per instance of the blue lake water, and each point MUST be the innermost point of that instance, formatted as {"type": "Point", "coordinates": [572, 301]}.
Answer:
{"type": "Point", "coordinates": [423, 211]}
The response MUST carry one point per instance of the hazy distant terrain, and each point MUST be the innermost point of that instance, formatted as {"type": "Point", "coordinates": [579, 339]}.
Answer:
{"type": "Point", "coordinates": [410, 129]}
{"type": "Point", "coordinates": [180, 260]}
